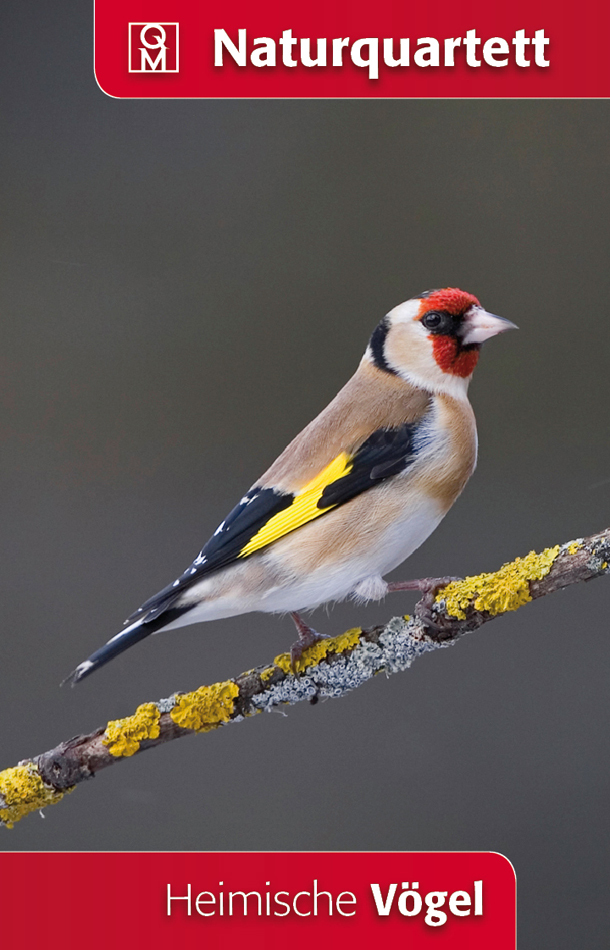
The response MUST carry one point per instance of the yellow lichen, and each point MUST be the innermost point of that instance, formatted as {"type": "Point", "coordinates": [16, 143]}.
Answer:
{"type": "Point", "coordinates": [22, 790]}
{"type": "Point", "coordinates": [267, 673]}
{"type": "Point", "coordinates": [574, 547]}
{"type": "Point", "coordinates": [506, 589]}
{"type": "Point", "coordinates": [123, 736]}
{"type": "Point", "coordinates": [205, 708]}
{"type": "Point", "coordinates": [283, 661]}
{"type": "Point", "coordinates": [320, 650]}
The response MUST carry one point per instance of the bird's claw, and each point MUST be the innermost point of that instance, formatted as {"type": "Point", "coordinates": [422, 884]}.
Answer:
{"type": "Point", "coordinates": [307, 637]}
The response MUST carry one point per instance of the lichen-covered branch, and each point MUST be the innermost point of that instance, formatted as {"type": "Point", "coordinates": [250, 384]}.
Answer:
{"type": "Point", "coordinates": [329, 669]}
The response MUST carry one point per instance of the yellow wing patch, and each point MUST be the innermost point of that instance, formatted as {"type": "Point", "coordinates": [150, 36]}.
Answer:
{"type": "Point", "coordinates": [304, 508]}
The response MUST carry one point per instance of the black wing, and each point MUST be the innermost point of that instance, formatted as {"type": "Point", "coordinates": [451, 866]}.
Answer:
{"type": "Point", "coordinates": [385, 453]}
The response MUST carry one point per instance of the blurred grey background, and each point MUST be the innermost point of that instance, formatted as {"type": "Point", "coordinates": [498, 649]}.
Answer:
{"type": "Point", "coordinates": [183, 286]}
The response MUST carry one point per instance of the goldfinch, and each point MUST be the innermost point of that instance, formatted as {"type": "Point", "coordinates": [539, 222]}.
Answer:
{"type": "Point", "coordinates": [354, 494]}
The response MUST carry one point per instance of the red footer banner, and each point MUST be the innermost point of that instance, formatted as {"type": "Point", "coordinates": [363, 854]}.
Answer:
{"type": "Point", "coordinates": [457, 900]}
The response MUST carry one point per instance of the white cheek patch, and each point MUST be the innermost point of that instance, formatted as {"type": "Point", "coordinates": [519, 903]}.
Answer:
{"type": "Point", "coordinates": [438, 382]}
{"type": "Point", "coordinates": [409, 352]}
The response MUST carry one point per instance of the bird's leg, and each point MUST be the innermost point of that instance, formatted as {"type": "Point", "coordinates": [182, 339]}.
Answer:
{"type": "Point", "coordinates": [307, 637]}
{"type": "Point", "coordinates": [429, 587]}
{"type": "Point", "coordinates": [426, 585]}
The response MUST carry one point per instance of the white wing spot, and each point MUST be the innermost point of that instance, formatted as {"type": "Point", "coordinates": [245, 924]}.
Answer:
{"type": "Point", "coordinates": [219, 529]}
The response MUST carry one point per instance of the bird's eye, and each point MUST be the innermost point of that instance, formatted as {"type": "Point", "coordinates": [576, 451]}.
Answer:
{"type": "Point", "coordinates": [437, 321]}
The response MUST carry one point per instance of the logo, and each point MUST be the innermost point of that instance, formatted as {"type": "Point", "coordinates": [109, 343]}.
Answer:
{"type": "Point", "coordinates": [153, 47]}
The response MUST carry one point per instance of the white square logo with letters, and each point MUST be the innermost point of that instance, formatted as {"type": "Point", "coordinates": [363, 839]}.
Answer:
{"type": "Point", "coordinates": [153, 47]}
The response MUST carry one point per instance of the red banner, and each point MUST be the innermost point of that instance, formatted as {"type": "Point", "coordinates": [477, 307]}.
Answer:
{"type": "Point", "coordinates": [191, 49]}
{"type": "Point", "coordinates": [453, 900]}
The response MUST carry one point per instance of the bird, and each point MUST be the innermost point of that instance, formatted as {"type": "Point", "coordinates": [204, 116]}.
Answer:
{"type": "Point", "coordinates": [353, 495]}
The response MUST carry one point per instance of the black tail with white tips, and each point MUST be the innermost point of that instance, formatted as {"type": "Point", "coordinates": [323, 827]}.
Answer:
{"type": "Point", "coordinates": [132, 634]}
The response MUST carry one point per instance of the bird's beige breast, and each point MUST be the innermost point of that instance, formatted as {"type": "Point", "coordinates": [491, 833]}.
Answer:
{"type": "Point", "coordinates": [454, 461]}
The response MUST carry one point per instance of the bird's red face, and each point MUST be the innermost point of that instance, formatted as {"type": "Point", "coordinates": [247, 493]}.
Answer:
{"type": "Point", "coordinates": [433, 340]}
{"type": "Point", "coordinates": [442, 312]}
{"type": "Point", "coordinates": [457, 324]}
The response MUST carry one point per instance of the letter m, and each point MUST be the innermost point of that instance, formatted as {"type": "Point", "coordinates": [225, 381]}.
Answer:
{"type": "Point", "coordinates": [145, 57]}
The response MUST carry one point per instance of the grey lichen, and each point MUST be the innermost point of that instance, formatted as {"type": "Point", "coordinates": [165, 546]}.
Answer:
{"type": "Point", "coordinates": [166, 705]}
{"type": "Point", "coordinates": [399, 644]}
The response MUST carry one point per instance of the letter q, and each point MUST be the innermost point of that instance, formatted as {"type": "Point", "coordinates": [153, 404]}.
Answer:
{"type": "Point", "coordinates": [160, 38]}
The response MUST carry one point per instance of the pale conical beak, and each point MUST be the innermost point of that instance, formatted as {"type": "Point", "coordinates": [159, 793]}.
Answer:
{"type": "Point", "coordinates": [479, 325]}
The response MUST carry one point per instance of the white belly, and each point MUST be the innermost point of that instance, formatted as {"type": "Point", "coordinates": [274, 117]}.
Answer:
{"type": "Point", "coordinates": [336, 580]}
